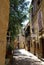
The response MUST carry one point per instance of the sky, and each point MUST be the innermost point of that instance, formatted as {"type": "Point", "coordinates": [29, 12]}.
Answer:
{"type": "Point", "coordinates": [25, 23]}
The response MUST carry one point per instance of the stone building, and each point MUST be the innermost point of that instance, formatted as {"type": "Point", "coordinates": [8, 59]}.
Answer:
{"type": "Point", "coordinates": [21, 40]}
{"type": "Point", "coordinates": [4, 19]}
{"type": "Point", "coordinates": [37, 28]}
{"type": "Point", "coordinates": [27, 37]}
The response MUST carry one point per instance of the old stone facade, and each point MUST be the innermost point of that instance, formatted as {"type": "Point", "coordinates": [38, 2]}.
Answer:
{"type": "Point", "coordinates": [27, 37]}
{"type": "Point", "coordinates": [37, 27]}
{"type": "Point", "coordinates": [4, 19]}
{"type": "Point", "coordinates": [19, 42]}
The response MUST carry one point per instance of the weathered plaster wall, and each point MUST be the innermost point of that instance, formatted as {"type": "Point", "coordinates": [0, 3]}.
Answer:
{"type": "Point", "coordinates": [4, 19]}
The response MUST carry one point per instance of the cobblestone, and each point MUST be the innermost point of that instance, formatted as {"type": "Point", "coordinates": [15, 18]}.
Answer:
{"type": "Point", "coordinates": [26, 60]}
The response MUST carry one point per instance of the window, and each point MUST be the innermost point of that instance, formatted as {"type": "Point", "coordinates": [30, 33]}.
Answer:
{"type": "Point", "coordinates": [38, 2]}
{"type": "Point", "coordinates": [40, 20]}
{"type": "Point", "coordinates": [33, 30]}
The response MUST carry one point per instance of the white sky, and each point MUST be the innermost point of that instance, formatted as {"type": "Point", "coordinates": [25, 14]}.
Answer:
{"type": "Point", "coordinates": [24, 23]}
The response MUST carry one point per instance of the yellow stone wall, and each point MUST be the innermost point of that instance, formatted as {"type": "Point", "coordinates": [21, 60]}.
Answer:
{"type": "Point", "coordinates": [4, 19]}
{"type": "Point", "coordinates": [42, 9]}
{"type": "Point", "coordinates": [35, 22]}
{"type": "Point", "coordinates": [21, 41]}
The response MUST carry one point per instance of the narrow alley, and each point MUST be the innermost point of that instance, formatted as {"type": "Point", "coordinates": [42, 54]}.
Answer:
{"type": "Point", "coordinates": [23, 57]}
{"type": "Point", "coordinates": [21, 32]}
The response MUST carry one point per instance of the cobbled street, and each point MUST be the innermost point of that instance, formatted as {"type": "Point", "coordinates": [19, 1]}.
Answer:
{"type": "Point", "coordinates": [25, 58]}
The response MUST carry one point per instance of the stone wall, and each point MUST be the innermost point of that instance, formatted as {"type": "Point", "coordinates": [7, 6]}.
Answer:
{"type": "Point", "coordinates": [4, 19]}
{"type": "Point", "coordinates": [40, 11]}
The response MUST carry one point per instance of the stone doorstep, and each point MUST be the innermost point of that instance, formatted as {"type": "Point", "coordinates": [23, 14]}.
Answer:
{"type": "Point", "coordinates": [42, 59]}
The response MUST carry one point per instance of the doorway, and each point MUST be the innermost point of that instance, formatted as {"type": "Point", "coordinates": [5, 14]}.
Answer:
{"type": "Point", "coordinates": [34, 48]}
{"type": "Point", "coordinates": [28, 45]}
{"type": "Point", "coordinates": [42, 43]}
